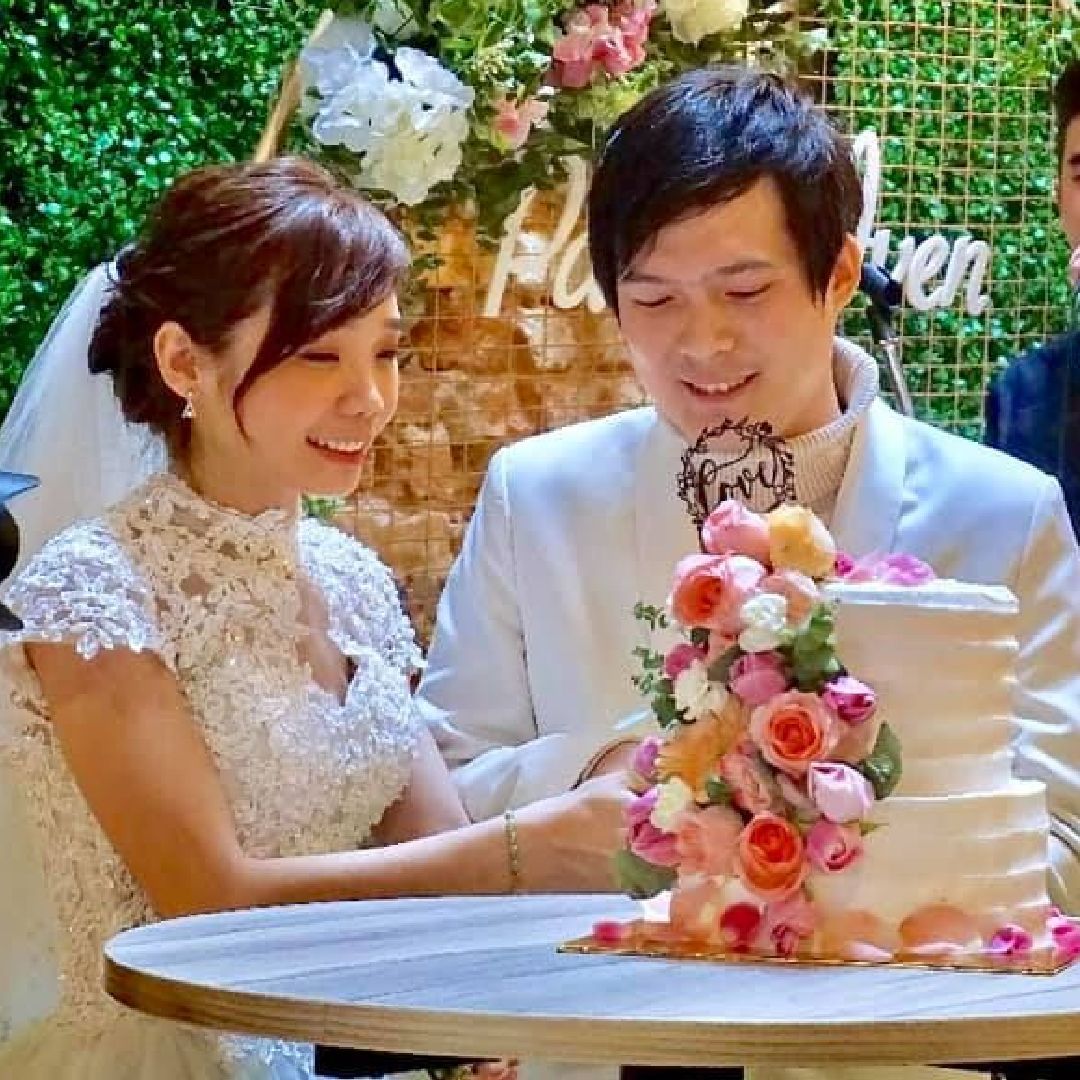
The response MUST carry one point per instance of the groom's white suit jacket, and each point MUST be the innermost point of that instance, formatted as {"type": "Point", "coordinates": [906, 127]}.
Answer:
{"type": "Point", "coordinates": [531, 662]}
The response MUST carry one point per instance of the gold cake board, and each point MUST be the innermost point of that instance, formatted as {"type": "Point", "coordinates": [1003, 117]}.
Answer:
{"type": "Point", "coordinates": [1047, 963]}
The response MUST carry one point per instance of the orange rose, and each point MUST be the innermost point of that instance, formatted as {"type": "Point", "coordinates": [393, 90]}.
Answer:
{"type": "Point", "coordinates": [793, 731]}
{"type": "Point", "coordinates": [770, 858]}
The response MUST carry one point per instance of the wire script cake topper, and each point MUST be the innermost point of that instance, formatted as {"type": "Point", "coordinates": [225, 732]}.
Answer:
{"type": "Point", "coordinates": [752, 461]}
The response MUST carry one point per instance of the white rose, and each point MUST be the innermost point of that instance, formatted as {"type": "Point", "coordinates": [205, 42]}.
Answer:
{"type": "Point", "coordinates": [764, 618]}
{"type": "Point", "coordinates": [691, 20]}
{"type": "Point", "coordinates": [696, 694]}
{"type": "Point", "coordinates": [672, 798]}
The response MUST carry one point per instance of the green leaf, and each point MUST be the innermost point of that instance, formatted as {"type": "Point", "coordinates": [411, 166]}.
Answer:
{"type": "Point", "coordinates": [719, 791]}
{"type": "Point", "coordinates": [883, 767]}
{"type": "Point", "coordinates": [641, 879]}
{"type": "Point", "coordinates": [720, 668]}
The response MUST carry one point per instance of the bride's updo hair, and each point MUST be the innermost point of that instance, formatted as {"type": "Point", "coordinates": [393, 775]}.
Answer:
{"type": "Point", "coordinates": [224, 241]}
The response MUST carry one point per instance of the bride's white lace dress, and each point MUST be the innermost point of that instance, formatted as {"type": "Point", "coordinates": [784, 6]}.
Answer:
{"type": "Point", "coordinates": [213, 593]}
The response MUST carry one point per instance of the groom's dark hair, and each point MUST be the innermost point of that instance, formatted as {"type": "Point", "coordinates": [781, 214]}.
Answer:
{"type": "Point", "coordinates": [706, 138]}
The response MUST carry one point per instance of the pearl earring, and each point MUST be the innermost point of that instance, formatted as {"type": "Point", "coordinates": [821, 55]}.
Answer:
{"type": "Point", "coordinates": [189, 409]}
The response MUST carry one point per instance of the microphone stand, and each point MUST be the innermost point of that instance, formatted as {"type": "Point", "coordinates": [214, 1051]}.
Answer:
{"type": "Point", "coordinates": [885, 294]}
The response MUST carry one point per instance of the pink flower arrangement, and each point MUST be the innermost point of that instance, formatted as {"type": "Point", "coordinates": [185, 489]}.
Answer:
{"type": "Point", "coordinates": [599, 37]}
{"type": "Point", "coordinates": [757, 678]}
{"type": "Point", "coordinates": [786, 924]}
{"type": "Point", "coordinates": [646, 840]}
{"type": "Point", "coordinates": [1065, 934]}
{"type": "Point", "coordinates": [788, 732]}
{"type": "Point", "coordinates": [903, 570]}
{"type": "Point", "coordinates": [731, 529]}
{"type": "Point", "coordinates": [839, 793]}
{"type": "Point", "coordinates": [515, 119]}
{"type": "Point", "coordinates": [753, 788]}
{"type": "Point", "coordinates": [706, 842]}
{"type": "Point", "coordinates": [831, 847]}
{"type": "Point", "coordinates": [1010, 941]}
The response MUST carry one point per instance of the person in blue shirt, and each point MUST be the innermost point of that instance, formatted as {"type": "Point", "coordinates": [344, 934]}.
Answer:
{"type": "Point", "coordinates": [1033, 407]}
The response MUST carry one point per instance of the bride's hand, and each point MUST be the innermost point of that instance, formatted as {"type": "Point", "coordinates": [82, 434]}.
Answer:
{"type": "Point", "coordinates": [567, 842]}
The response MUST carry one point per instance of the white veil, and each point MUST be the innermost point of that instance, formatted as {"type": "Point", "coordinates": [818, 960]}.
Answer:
{"type": "Point", "coordinates": [66, 428]}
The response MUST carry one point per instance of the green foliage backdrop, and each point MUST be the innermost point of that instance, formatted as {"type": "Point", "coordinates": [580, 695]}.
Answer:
{"type": "Point", "coordinates": [102, 103]}
{"type": "Point", "coordinates": [959, 92]}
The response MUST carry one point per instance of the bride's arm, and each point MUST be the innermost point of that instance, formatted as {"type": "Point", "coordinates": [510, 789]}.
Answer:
{"type": "Point", "coordinates": [430, 802]}
{"type": "Point", "coordinates": [146, 773]}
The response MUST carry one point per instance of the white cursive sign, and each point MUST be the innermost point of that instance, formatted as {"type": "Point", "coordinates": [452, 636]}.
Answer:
{"type": "Point", "coordinates": [565, 255]}
{"type": "Point", "coordinates": [918, 264]}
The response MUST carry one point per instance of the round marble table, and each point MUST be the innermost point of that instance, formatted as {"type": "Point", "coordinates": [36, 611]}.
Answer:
{"type": "Point", "coordinates": [482, 977]}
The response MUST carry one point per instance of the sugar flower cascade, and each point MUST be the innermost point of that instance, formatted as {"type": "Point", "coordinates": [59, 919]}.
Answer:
{"type": "Point", "coordinates": [761, 787]}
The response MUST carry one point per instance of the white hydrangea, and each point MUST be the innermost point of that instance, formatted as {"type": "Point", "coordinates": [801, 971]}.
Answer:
{"type": "Point", "coordinates": [691, 20]}
{"type": "Point", "coordinates": [696, 694]}
{"type": "Point", "coordinates": [764, 619]}
{"type": "Point", "coordinates": [407, 132]}
{"type": "Point", "coordinates": [672, 798]}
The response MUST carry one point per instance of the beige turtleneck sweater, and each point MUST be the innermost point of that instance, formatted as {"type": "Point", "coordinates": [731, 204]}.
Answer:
{"type": "Point", "coordinates": [821, 456]}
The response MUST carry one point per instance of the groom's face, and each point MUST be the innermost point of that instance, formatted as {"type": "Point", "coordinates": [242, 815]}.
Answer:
{"type": "Point", "coordinates": [720, 321]}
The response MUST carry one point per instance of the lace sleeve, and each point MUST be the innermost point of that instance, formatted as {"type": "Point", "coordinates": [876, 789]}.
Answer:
{"type": "Point", "coordinates": [81, 588]}
{"type": "Point", "coordinates": [361, 593]}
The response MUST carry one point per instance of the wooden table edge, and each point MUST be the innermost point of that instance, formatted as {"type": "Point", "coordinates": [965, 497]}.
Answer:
{"type": "Point", "coordinates": [655, 1042]}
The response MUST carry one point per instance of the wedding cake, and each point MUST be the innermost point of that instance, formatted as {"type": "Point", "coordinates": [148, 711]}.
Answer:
{"type": "Point", "coordinates": [832, 779]}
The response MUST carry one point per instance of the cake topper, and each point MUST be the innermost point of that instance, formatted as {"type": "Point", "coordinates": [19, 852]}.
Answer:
{"type": "Point", "coordinates": [757, 462]}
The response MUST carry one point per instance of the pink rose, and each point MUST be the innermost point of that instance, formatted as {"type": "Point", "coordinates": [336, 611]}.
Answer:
{"type": "Point", "coordinates": [1065, 933]}
{"type": "Point", "coordinates": [771, 857]}
{"type": "Point", "coordinates": [643, 763]}
{"type": "Point", "coordinates": [786, 924]}
{"type": "Point", "coordinates": [680, 657]}
{"type": "Point", "coordinates": [645, 839]}
{"type": "Point", "coordinates": [839, 792]}
{"type": "Point", "coordinates": [843, 566]}
{"type": "Point", "coordinates": [853, 702]}
{"type": "Point", "coordinates": [1009, 941]}
{"type": "Point", "coordinates": [793, 730]}
{"type": "Point", "coordinates": [731, 529]}
{"type": "Point", "coordinates": [706, 841]}
{"type": "Point", "coordinates": [710, 590]}
{"type": "Point", "coordinates": [855, 742]}
{"type": "Point", "coordinates": [903, 570]}
{"type": "Point", "coordinates": [800, 592]}
{"type": "Point", "coordinates": [739, 925]}
{"type": "Point", "coordinates": [751, 785]}
{"type": "Point", "coordinates": [831, 847]}
{"type": "Point", "coordinates": [612, 932]}
{"type": "Point", "coordinates": [514, 120]}
{"type": "Point", "coordinates": [757, 677]}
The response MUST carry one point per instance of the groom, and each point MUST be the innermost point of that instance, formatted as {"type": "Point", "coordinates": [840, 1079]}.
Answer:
{"type": "Point", "coordinates": [721, 223]}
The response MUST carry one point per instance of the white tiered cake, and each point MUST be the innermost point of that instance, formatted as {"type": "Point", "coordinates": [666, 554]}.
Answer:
{"type": "Point", "coordinates": [832, 780]}
{"type": "Point", "coordinates": [959, 829]}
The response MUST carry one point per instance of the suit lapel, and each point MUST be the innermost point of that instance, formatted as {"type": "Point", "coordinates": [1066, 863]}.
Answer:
{"type": "Point", "coordinates": [663, 530]}
{"type": "Point", "coordinates": [870, 500]}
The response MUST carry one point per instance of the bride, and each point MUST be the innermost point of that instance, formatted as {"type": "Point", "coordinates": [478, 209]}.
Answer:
{"type": "Point", "coordinates": [208, 704]}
